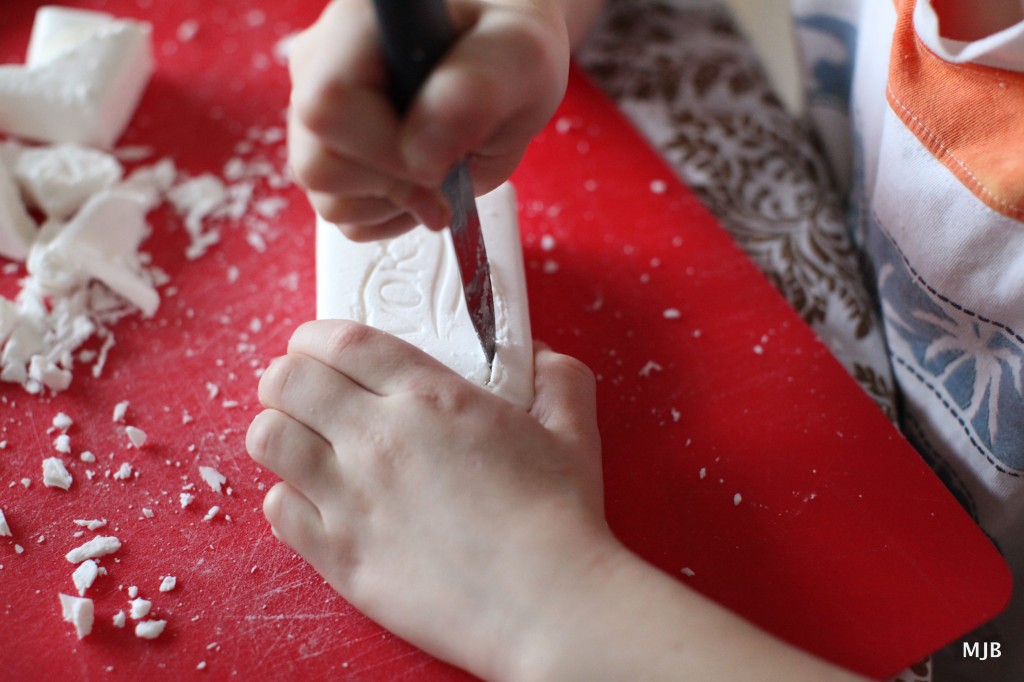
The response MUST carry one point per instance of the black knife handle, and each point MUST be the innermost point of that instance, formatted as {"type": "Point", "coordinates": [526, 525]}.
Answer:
{"type": "Point", "coordinates": [415, 34]}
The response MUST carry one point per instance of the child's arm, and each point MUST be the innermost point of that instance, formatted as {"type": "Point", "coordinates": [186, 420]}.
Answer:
{"type": "Point", "coordinates": [377, 176]}
{"type": "Point", "coordinates": [474, 529]}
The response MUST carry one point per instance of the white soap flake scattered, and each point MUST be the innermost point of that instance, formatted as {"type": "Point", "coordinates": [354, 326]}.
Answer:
{"type": "Point", "coordinates": [168, 583]}
{"type": "Point", "coordinates": [736, 499]}
{"type": "Point", "coordinates": [62, 443]}
{"type": "Point", "coordinates": [84, 576]}
{"type": "Point", "coordinates": [26, 482]}
{"type": "Point", "coordinates": [185, 499]}
{"type": "Point", "coordinates": [651, 366]}
{"type": "Point", "coordinates": [201, 665]}
{"type": "Point", "coordinates": [213, 478]}
{"type": "Point", "coordinates": [136, 436]}
{"type": "Point", "coordinates": [671, 314]}
{"type": "Point", "coordinates": [688, 572]}
{"type": "Point", "coordinates": [140, 608]}
{"type": "Point", "coordinates": [124, 472]}
{"type": "Point", "coordinates": [91, 524]}
{"type": "Point", "coordinates": [87, 456]}
{"type": "Point", "coordinates": [119, 410]}
{"type": "Point", "coordinates": [55, 474]}
{"type": "Point", "coordinates": [212, 389]}
{"type": "Point", "coordinates": [547, 243]}
{"type": "Point", "coordinates": [101, 545]}
{"type": "Point", "coordinates": [676, 415]}
{"type": "Point", "coordinates": [78, 612]}
{"type": "Point", "coordinates": [133, 591]}
{"type": "Point", "coordinates": [150, 629]}
{"type": "Point", "coordinates": [18, 549]}
{"type": "Point", "coordinates": [187, 30]}
{"type": "Point", "coordinates": [658, 186]}
{"type": "Point", "coordinates": [119, 619]}
{"type": "Point", "coordinates": [759, 349]}
{"type": "Point", "coordinates": [62, 421]}
{"type": "Point", "coordinates": [703, 473]}
{"type": "Point", "coordinates": [5, 530]}
{"type": "Point", "coordinates": [214, 510]}
{"type": "Point", "coordinates": [147, 512]}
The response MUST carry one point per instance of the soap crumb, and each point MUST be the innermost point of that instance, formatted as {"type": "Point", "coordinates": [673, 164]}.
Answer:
{"type": "Point", "coordinates": [658, 186]}
{"type": "Point", "coordinates": [87, 456]}
{"type": "Point", "coordinates": [147, 512]}
{"type": "Point", "coordinates": [119, 619]}
{"type": "Point", "coordinates": [123, 473]}
{"type": "Point", "coordinates": [736, 499]}
{"type": "Point", "coordinates": [62, 421]}
{"type": "Point", "coordinates": [651, 366]}
{"type": "Point", "coordinates": [213, 478]}
{"type": "Point", "coordinates": [201, 665]}
{"type": "Point", "coordinates": [140, 608]}
{"type": "Point", "coordinates": [79, 612]}
{"type": "Point", "coordinates": [5, 530]}
{"type": "Point", "coordinates": [671, 314]}
{"type": "Point", "coordinates": [688, 572]}
{"type": "Point", "coordinates": [136, 436]}
{"type": "Point", "coordinates": [214, 510]}
{"type": "Point", "coordinates": [120, 410]}
{"type": "Point", "coordinates": [150, 629]}
{"type": "Point", "coordinates": [62, 443]}
{"type": "Point", "coordinates": [84, 576]}
{"type": "Point", "coordinates": [91, 524]}
{"type": "Point", "coordinates": [100, 545]}
{"type": "Point", "coordinates": [55, 474]}
{"type": "Point", "coordinates": [168, 583]}
{"type": "Point", "coordinates": [185, 499]}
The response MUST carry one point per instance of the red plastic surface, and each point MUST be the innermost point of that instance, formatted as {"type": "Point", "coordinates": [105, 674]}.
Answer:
{"type": "Point", "coordinates": [842, 540]}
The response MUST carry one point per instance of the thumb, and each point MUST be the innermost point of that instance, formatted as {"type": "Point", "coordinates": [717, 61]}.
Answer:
{"type": "Point", "coordinates": [565, 398]}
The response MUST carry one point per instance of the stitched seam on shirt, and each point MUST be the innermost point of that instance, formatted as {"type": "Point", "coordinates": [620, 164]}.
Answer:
{"type": "Point", "coordinates": [982, 450]}
{"type": "Point", "coordinates": [1017, 336]}
{"type": "Point", "coordinates": [935, 144]}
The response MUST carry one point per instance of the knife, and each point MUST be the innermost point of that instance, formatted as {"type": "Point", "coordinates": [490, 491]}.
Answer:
{"type": "Point", "coordinates": [415, 34]}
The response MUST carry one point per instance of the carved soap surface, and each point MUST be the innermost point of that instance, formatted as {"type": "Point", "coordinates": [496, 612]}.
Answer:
{"type": "Point", "coordinates": [410, 286]}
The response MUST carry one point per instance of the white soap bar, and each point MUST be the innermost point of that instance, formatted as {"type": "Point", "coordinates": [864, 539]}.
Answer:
{"type": "Point", "coordinates": [58, 179]}
{"type": "Point", "coordinates": [17, 229]}
{"type": "Point", "coordinates": [78, 612]}
{"type": "Point", "coordinates": [84, 77]}
{"type": "Point", "coordinates": [410, 286]}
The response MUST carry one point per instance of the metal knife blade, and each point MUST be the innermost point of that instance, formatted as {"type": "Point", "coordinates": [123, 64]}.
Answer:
{"type": "Point", "coordinates": [415, 34]}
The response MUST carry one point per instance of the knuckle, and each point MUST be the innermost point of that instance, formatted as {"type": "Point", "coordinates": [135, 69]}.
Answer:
{"type": "Point", "coordinates": [346, 335]}
{"type": "Point", "coordinates": [276, 381]}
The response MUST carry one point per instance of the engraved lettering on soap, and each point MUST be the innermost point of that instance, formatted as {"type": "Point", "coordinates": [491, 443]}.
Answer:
{"type": "Point", "coordinates": [408, 286]}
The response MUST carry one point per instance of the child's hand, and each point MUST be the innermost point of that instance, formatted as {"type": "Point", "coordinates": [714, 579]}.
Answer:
{"type": "Point", "coordinates": [377, 176]}
{"type": "Point", "coordinates": [445, 513]}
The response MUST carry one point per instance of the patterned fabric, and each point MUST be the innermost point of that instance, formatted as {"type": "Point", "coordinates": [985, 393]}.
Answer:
{"type": "Point", "coordinates": [924, 141]}
{"type": "Point", "coordinates": [695, 88]}
{"type": "Point", "coordinates": [937, 203]}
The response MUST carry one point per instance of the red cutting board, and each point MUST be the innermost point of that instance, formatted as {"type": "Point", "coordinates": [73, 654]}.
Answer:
{"type": "Point", "coordinates": [843, 542]}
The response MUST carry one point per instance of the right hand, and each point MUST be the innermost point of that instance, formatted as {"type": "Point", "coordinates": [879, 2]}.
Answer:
{"type": "Point", "coordinates": [376, 175]}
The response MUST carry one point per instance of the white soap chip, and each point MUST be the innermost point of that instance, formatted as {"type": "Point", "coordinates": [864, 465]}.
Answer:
{"type": "Point", "coordinates": [186, 499]}
{"type": "Point", "coordinates": [736, 499]}
{"type": "Point", "coordinates": [119, 619]}
{"type": "Point", "coordinates": [150, 629]}
{"type": "Point", "coordinates": [168, 583]}
{"type": "Point", "coordinates": [91, 524]}
{"type": "Point", "coordinates": [119, 410]}
{"type": "Point", "coordinates": [124, 472]}
{"type": "Point", "coordinates": [214, 510]}
{"type": "Point", "coordinates": [136, 436]}
{"type": "Point", "coordinates": [62, 443]}
{"type": "Point", "coordinates": [101, 545]}
{"type": "Point", "coordinates": [62, 421]}
{"type": "Point", "coordinates": [83, 77]}
{"type": "Point", "coordinates": [140, 608]}
{"type": "Point", "coordinates": [213, 478]}
{"type": "Point", "coordinates": [78, 612]}
{"type": "Point", "coordinates": [87, 456]}
{"type": "Point", "coordinates": [18, 549]}
{"type": "Point", "coordinates": [133, 592]}
{"type": "Point", "coordinates": [147, 512]}
{"type": "Point", "coordinates": [5, 530]}
{"type": "Point", "coordinates": [85, 575]}
{"type": "Point", "coordinates": [55, 474]}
